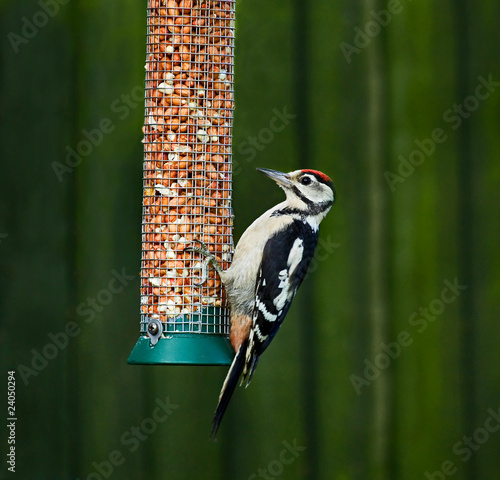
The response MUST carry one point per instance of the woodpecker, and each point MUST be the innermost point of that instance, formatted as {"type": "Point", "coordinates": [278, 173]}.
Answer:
{"type": "Point", "coordinates": [269, 263]}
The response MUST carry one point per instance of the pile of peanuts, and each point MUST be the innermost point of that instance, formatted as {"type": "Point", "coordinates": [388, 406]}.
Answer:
{"type": "Point", "coordinates": [187, 155]}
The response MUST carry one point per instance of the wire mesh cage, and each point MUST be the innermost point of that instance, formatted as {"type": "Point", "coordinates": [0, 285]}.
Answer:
{"type": "Point", "coordinates": [186, 182]}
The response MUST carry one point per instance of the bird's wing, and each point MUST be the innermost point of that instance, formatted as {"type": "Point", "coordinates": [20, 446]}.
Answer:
{"type": "Point", "coordinates": [284, 264]}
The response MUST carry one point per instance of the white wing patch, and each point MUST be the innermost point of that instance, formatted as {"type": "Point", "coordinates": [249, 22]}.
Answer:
{"type": "Point", "coordinates": [270, 317]}
{"type": "Point", "coordinates": [294, 258]}
{"type": "Point", "coordinates": [283, 276]}
{"type": "Point", "coordinates": [296, 254]}
{"type": "Point", "coordinates": [261, 337]}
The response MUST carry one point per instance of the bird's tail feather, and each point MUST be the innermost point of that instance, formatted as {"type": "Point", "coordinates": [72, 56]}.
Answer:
{"type": "Point", "coordinates": [228, 388]}
{"type": "Point", "coordinates": [251, 370]}
{"type": "Point", "coordinates": [251, 360]}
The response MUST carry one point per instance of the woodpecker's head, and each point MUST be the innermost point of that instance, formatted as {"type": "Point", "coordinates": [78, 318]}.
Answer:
{"type": "Point", "coordinates": [307, 191]}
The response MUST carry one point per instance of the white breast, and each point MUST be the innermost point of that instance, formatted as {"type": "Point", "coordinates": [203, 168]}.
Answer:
{"type": "Point", "coordinates": [241, 276]}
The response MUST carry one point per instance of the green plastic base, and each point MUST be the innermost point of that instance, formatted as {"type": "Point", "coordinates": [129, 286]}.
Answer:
{"type": "Point", "coordinates": [183, 349]}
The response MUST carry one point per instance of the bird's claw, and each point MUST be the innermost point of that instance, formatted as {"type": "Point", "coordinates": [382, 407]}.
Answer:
{"type": "Point", "coordinates": [209, 258]}
{"type": "Point", "coordinates": [203, 249]}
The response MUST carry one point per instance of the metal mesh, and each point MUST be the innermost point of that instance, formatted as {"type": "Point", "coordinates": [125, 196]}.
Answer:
{"type": "Point", "coordinates": [187, 162]}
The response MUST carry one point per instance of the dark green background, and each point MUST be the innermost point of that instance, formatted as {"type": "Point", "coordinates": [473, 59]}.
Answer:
{"type": "Point", "coordinates": [392, 250]}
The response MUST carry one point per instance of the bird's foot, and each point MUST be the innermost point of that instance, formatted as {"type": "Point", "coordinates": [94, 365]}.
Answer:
{"type": "Point", "coordinates": [209, 259]}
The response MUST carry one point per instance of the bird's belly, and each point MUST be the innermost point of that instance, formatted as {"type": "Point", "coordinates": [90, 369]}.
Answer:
{"type": "Point", "coordinates": [241, 277]}
{"type": "Point", "coordinates": [241, 288]}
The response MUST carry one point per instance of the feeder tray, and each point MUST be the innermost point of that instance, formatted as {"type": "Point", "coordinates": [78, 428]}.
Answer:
{"type": "Point", "coordinates": [187, 179]}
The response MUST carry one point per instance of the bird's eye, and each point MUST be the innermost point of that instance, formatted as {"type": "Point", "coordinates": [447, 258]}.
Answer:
{"type": "Point", "coordinates": [305, 180]}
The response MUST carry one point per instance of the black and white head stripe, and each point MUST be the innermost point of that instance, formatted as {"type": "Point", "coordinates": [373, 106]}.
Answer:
{"type": "Point", "coordinates": [321, 177]}
{"type": "Point", "coordinates": [309, 193]}
{"type": "Point", "coordinates": [309, 185]}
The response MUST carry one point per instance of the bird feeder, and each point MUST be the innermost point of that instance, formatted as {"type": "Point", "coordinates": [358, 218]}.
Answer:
{"type": "Point", "coordinates": [186, 182]}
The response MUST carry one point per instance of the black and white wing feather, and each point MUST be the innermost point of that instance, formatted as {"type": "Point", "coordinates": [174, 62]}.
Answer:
{"type": "Point", "coordinates": [284, 264]}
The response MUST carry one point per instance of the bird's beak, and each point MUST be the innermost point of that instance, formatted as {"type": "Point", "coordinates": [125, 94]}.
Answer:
{"type": "Point", "coordinates": [282, 179]}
